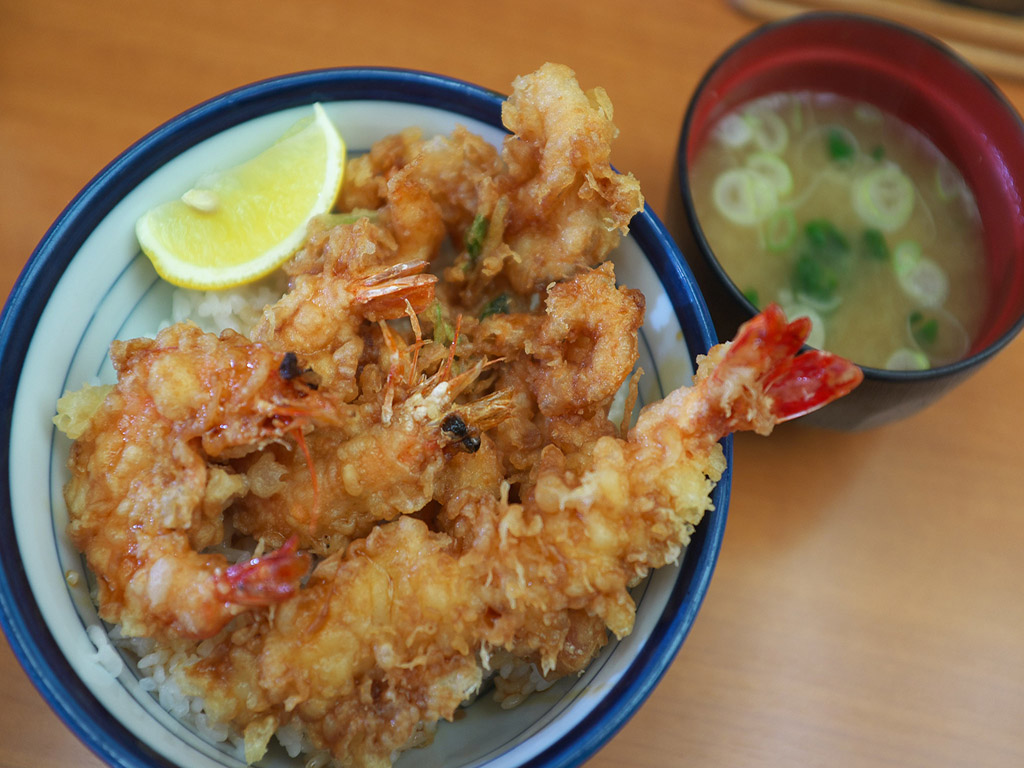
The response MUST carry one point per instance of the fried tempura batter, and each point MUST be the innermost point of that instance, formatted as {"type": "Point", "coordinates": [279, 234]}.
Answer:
{"type": "Point", "coordinates": [439, 454]}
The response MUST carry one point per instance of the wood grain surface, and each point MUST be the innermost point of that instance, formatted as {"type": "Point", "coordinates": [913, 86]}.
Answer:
{"type": "Point", "coordinates": [867, 606]}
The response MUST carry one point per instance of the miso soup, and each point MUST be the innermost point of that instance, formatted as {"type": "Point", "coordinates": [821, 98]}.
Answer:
{"type": "Point", "coordinates": [849, 216]}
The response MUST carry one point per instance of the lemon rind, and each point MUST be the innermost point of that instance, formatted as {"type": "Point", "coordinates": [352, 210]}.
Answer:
{"type": "Point", "coordinates": [188, 275]}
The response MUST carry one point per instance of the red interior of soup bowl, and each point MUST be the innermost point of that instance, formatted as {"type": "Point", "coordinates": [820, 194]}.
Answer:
{"type": "Point", "coordinates": [919, 81]}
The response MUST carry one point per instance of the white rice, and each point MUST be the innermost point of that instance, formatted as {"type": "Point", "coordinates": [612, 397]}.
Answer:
{"type": "Point", "coordinates": [515, 680]}
{"type": "Point", "coordinates": [240, 308]}
{"type": "Point", "coordinates": [156, 666]}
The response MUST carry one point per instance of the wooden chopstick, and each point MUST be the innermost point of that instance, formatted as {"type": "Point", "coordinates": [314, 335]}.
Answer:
{"type": "Point", "coordinates": [993, 42]}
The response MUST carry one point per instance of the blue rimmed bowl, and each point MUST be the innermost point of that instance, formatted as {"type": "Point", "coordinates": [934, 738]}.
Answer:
{"type": "Point", "coordinates": [87, 284]}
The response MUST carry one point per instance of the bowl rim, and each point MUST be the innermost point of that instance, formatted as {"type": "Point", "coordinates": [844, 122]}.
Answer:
{"type": "Point", "coordinates": [28, 635]}
{"type": "Point", "coordinates": [966, 363]}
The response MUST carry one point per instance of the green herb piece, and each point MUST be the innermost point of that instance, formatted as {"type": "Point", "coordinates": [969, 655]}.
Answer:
{"type": "Point", "coordinates": [924, 329]}
{"type": "Point", "coordinates": [814, 278]}
{"type": "Point", "coordinates": [839, 147]}
{"type": "Point", "coordinates": [475, 236]}
{"type": "Point", "coordinates": [825, 240]}
{"type": "Point", "coordinates": [752, 296]}
{"type": "Point", "coordinates": [822, 257]}
{"type": "Point", "coordinates": [443, 331]}
{"type": "Point", "coordinates": [873, 245]}
{"type": "Point", "coordinates": [497, 306]}
{"type": "Point", "coordinates": [878, 153]}
{"type": "Point", "coordinates": [349, 217]}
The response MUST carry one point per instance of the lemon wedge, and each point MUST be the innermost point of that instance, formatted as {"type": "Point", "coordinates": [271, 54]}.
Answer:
{"type": "Point", "coordinates": [237, 225]}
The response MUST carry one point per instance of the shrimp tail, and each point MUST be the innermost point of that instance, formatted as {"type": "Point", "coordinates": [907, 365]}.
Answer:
{"type": "Point", "coordinates": [796, 383]}
{"type": "Point", "coordinates": [267, 580]}
{"type": "Point", "coordinates": [754, 382]}
{"type": "Point", "coordinates": [811, 381]}
{"type": "Point", "coordinates": [387, 295]}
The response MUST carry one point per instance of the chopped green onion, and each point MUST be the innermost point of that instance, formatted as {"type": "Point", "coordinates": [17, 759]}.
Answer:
{"type": "Point", "coordinates": [820, 304]}
{"type": "Point", "coordinates": [769, 130]}
{"type": "Point", "coordinates": [920, 277]}
{"type": "Point", "coordinates": [825, 239]}
{"type": "Point", "coordinates": [924, 329]}
{"type": "Point", "coordinates": [475, 235]}
{"type": "Point", "coordinates": [839, 147]}
{"type": "Point", "coordinates": [873, 245]}
{"type": "Point", "coordinates": [813, 277]}
{"type": "Point", "coordinates": [948, 181]}
{"type": "Point", "coordinates": [878, 153]}
{"type": "Point", "coordinates": [868, 113]}
{"type": "Point", "coordinates": [349, 217]}
{"type": "Point", "coordinates": [752, 296]}
{"type": "Point", "coordinates": [772, 169]}
{"type": "Point", "coordinates": [733, 131]}
{"type": "Point", "coordinates": [908, 360]}
{"type": "Point", "coordinates": [743, 196]}
{"type": "Point", "coordinates": [940, 334]}
{"type": "Point", "coordinates": [497, 306]}
{"type": "Point", "coordinates": [884, 198]}
{"type": "Point", "coordinates": [443, 331]}
{"type": "Point", "coordinates": [780, 230]}
{"type": "Point", "coordinates": [905, 256]}
{"type": "Point", "coordinates": [927, 283]}
{"type": "Point", "coordinates": [823, 255]}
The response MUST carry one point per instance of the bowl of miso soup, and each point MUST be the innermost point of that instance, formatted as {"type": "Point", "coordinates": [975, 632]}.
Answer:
{"type": "Point", "coordinates": [861, 174]}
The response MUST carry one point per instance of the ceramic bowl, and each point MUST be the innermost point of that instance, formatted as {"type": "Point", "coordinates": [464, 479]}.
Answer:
{"type": "Point", "coordinates": [87, 284]}
{"type": "Point", "coordinates": [926, 84]}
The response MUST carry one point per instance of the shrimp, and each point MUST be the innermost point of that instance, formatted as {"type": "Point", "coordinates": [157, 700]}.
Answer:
{"type": "Point", "coordinates": [152, 476]}
{"type": "Point", "coordinates": [149, 480]}
{"type": "Point", "coordinates": [456, 171]}
{"type": "Point", "coordinates": [438, 191]}
{"type": "Point", "coordinates": [560, 179]}
{"type": "Point", "coordinates": [564, 361]}
{"type": "Point", "coordinates": [381, 641]}
{"type": "Point", "coordinates": [343, 278]}
{"type": "Point", "coordinates": [594, 521]}
{"type": "Point", "coordinates": [547, 207]}
{"type": "Point", "coordinates": [374, 468]}
{"type": "Point", "coordinates": [587, 344]}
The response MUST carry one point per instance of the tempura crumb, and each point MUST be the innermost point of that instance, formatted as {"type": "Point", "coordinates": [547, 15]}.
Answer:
{"type": "Point", "coordinates": [75, 408]}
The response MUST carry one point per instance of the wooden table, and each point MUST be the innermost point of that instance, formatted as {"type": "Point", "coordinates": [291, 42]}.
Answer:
{"type": "Point", "coordinates": [867, 608]}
